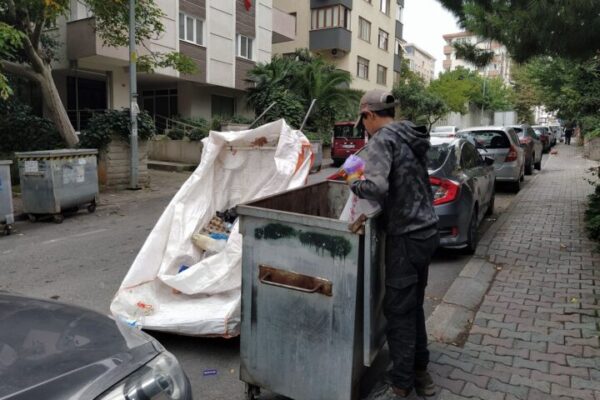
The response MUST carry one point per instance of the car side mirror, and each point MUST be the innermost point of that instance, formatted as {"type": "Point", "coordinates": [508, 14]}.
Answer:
{"type": "Point", "coordinates": [489, 160]}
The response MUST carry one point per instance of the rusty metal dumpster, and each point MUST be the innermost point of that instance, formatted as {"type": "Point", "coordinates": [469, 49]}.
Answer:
{"type": "Point", "coordinates": [6, 202]}
{"type": "Point", "coordinates": [58, 180]}
{"type": "Point", "coordinates": [311, 295]}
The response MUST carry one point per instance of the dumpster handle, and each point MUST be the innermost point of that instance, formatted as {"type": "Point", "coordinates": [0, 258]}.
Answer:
{"type": "Point", "coordinates": [301, 283]}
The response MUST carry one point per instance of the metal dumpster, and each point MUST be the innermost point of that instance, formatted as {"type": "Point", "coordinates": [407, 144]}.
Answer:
{"type": "Point", "coordinates": [312, 294]}
{"type": "Point", "coordinates": [6, 203]}
{"type": "Point", "coordinates": [317, 149]}
{"type": "Point", "coordinates": [56, 181]}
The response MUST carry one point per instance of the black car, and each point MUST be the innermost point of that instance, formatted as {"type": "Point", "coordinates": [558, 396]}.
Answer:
{"type": "Point", "coordinates": [463, 187]}
{"type": "Point", "coordinates": [54, 351]}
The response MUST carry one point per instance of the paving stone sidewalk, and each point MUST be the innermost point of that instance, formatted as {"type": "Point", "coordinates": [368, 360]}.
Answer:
{"type": "Point", "coordinates": [536, 333]}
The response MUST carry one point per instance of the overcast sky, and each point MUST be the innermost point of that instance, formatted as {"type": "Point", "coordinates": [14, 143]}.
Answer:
{"type": "Point", "coordinates": [425, 21]}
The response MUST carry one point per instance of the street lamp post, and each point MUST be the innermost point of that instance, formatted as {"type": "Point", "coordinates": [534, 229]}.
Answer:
{"type": "Point", "coordinates": [133, 105]}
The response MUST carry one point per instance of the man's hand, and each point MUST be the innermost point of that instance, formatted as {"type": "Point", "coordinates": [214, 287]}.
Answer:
{"type": "Point", "coordinates": [353, 169]}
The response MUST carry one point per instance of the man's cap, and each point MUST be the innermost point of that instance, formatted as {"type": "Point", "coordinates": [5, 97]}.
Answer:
{"type": "Point", "coordinates": [375, 100]}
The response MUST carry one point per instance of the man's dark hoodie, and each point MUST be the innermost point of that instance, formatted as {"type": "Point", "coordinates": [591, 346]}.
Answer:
{"type": "Point", "coordinates": [396, 177]}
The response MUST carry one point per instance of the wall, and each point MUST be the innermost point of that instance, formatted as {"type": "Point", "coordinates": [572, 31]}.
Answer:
{"type": "Point", "coordinates": [180, 151]}
{"type": "Point", "coordinates": [302, 25]}
{"type": "Point", "coordinates": [220, 49]}
{"type": "Point", "coordinates": [114, 165]}
{"type": "Point", "coordinates": [591, 149]}
{"type": "Point", "coordinates": [473, 118]}
{"type": "Point", "coordinates": [195, 100]}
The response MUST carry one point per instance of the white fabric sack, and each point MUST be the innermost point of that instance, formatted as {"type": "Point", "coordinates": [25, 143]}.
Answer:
{"type": "Point", "coordinates": [204, 300]}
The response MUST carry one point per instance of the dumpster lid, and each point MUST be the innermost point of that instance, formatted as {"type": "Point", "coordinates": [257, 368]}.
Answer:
{"type": "Point", "coordinates": [5, 162]}
{"type": "Point", "coordinates": [57, 153]}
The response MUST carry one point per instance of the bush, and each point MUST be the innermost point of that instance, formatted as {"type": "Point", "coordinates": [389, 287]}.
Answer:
{"type": "Point", "coordinates": [20, 130]}
{"type": "Point", "coordinates": [592, 214]}
{"type": "Point", "coordinates": [197, 134]}
{"type": "Point", "coordinates": [104, 126]}
{"type": "Point", "coordinates": [176, 134]}
{"type": "Point", "coordinates": [215, 124]}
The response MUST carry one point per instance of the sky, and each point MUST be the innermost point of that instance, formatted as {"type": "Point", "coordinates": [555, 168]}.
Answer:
{"type": "Point", "coordinates": [425, 21]}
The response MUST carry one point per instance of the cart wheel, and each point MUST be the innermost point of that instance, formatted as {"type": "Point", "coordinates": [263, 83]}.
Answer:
{"type": "Point", "coordinates": [252, 392]}
{"type": "Point", "coordinates": [92, 207]}
{"type": "Point", "coordinates": [32, 218]}
{"type": "Point", "coordinates": [8, 230]}
{"type": "Point", "coordinates": [58, 218]}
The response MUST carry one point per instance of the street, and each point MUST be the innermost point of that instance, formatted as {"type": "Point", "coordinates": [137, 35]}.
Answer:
{"type": "Point", "coordinates": [84, 260]}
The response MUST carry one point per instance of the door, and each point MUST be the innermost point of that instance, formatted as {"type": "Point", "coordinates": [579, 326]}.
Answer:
{"type": "Point", "coordinates": [474, 167]}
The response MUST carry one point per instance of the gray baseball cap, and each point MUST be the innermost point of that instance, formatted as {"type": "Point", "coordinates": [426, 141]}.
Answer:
{"type": "Point", "coordinates": [375, 100]}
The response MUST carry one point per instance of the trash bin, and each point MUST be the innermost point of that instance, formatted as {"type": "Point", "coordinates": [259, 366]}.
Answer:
{"type": "Point", "coordinates": [56, 181]}
{"type": "Point", "coordinates": [317, 149]}
{"type": "Point", "coordinates": [6, 205]}
{"type": "Point", "coordinates": [312, 294]}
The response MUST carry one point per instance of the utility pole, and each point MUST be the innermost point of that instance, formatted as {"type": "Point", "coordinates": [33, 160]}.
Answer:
{"type": "Point", "coordinates": [133, 105]}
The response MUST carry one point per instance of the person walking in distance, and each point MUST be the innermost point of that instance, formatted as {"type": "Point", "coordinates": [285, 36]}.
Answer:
{"type": "Point", "coordinates": [569, 128]}
{"type": "Point", "coordinates": [396, 176]}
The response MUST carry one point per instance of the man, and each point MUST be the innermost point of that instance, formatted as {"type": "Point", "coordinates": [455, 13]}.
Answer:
{"type": "Point", "coordinates": [569, 132]}
{"type": "Point", "coordinates": [396, 176]}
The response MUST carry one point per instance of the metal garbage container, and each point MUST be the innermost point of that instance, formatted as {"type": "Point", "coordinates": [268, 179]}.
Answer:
{"type": "Point", "coordinates": [312, 294]}
{"type": "Point", "coordinates": [317, 150]}
{"type": "Point", "coordinates": [56, 181]}
{"type": "Point", "coordinates": [6, 203]}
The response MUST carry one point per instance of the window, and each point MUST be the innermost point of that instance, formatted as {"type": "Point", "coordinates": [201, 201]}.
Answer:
{"type": "Point", "coordinates": [398, 47]}
{"type": "Point", "coordinates": [399, 12]}
{"type": "Point", "coordinates": [469, 157]}
{"type": "Point", "coordinates": [222, 106]}
{"type": "Point", "coordinates": [244, 47]}
{"type": "Point", "coordinates": [295, 15]}
{"type": "Point", "coordinates": [362, 68]}
{"type": "Point", "coordinates": [383, 40]}
{"type": "Point", "coordinates": [330, 17]}
{"type": "Point", "coordinates": [364, 29]}
{"type": "Point", "coordinates": [191, 29]}
{"type": "Point", "coordinates": [384, 6]}
{"type": "Point", "coordinates": [381, 75]}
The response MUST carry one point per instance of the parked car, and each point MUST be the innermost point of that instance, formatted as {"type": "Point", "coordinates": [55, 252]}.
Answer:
{"type": "Point", "coordinates": [55, 351]}
{"type": "Point", "coordinates": [503, 145]}
{"type": "Point", "coordinates": [543, 132]}
{"type": "Point", "coordinates": [532, 145]}
{"type": "Point", "coordinates": [558, 132]}
{"type": "Point", "coordinates": [444, 131]}
{"type": "Point", "coordinates": [347, 140]}
{"type": "Point", "coordinates": [462, 182]}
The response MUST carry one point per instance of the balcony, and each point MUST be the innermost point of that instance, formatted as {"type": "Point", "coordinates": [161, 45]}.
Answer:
{"type": "Point", "coordinates": [447, 64]}
{"type": "Point", "coordinates": [448, 50]}
{"type": "Point", "coordinates": [330, 39]}
{"type": "Point", "coordinates": [326, 3]}
{"type": "Point", "coordinates": [284, 26]}
{"type": "Point", "coordinates": [84, 42]}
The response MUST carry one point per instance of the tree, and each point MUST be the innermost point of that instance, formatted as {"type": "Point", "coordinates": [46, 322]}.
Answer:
{"type": "Point", "coordinates": [30, 49]}
{"type": "Point", "coordinates": [529, 28]}
{"type": "Point", "coordinates": [525, 95]}
{"type": "Point", "coordinates": [418, 103]}
{"type": "Point", "coordinates": [457, 88]}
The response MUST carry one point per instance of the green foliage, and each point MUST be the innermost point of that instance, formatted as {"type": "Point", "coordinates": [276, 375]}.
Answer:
{"type": "Point", "coordinates": [176, 134]}
{"type": "Point", "coordinates": [293, 82]}
{"type": "Point", "coordinates": [20, 130]}
{"type": "Point", "coordinates": [10, 41]}
{"type": "Point", "coordinates": [103, 126]}
{"type": "Point", "coordinates": [592, 214]}
{"type": "Point", "coordinates": [418, 103]}
{"type": "Point", "coordinates": [529, 28]}
{"type": "Point", "coordinates": [215, 123]}
{"type": "Point", "coordinates": [197, 134]}
{"type": "Point", "coordinates": [475, 55]}
{"type": "Point", "coordinates": [456, 88]}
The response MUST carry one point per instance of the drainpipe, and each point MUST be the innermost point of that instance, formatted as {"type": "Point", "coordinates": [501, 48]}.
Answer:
{"type": "Point", "coordinates": [133, 106]}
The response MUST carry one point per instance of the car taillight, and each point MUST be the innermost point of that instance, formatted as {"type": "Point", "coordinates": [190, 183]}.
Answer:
{"type": "Point", "coordinates": [444, 190]}
{"type": "Point", "coordinates": [512, 154]}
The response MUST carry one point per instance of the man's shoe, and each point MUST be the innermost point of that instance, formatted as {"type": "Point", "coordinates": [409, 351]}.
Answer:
{"type": "Point", "coordinates": [424, 385]}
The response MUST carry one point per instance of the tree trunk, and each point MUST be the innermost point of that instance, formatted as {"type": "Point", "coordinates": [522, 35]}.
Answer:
{"type": "Point", "coordinates": [58, 113]}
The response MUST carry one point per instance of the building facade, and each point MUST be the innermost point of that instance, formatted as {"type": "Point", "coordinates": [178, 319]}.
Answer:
{"type": "Point", "coordinates": [499, 67]}
{"type": "Point", "coordinates": [224, 38]}
{"type": "Point", "coordinates": [362, 37]}
{"type": "Point", "coordinates": [420, 62]}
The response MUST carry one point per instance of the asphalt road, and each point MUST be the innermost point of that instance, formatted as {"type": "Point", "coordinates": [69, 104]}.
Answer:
{"type": "Point", "coordinates": [84, 260]}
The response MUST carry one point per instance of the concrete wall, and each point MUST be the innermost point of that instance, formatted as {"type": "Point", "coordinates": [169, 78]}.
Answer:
{"type": "Point", "coordinates": [180, 151]}
{"type": "Point", "coordinates": [220, 27]}
{"type": "Point", "coordinates": [114, 165]}
{"type": "Point", "coordinates": [473, 118]}
{"type": "Point", "coordinates": [591, 149]}
{"type": "Point", "coordinates": [195, 100]}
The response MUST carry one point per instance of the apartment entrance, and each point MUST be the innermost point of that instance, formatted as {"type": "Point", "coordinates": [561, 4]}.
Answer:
{"type": "Point", "coordinates": [85, 97]}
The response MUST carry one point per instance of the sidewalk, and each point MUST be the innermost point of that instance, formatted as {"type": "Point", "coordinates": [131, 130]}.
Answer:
{"type": "Point", "coordinates": [535, 335]}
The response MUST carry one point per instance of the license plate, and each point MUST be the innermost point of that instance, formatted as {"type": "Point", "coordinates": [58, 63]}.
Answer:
{"type": "Point", "coordinates": [348, 146]}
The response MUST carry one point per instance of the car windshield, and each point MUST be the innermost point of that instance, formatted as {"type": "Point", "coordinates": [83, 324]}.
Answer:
{"type": "Point", "coordinates": [519, 131]}
{"type": "Point", "coordinates": [348, 132]}
{"type": "Point", "coordinates": [488, 139]}
{"type": "Point", "coordinates": [436, 156]}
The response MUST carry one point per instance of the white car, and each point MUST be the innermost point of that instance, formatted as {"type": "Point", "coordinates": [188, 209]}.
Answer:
{"type": "Point", "coordinates": [444, 131]}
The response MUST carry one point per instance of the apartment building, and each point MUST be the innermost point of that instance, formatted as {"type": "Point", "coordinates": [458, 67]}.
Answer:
{"type": "Point", "coordinates": [362, 37]}
{"type": "Point", "coordinates": [499, 67]}
{"type": "Point", "coordinates": [420, 62]}
{"type": "Point", "coordinates": [225, 38]}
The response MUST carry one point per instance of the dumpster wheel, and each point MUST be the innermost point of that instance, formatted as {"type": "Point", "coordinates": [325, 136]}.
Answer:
{"type": "Point", "coordinates": [58, 218]}
{"type": "Point", "coordinates": [32, 217]}
{"type": "Point", "coordinates": [8, 230]}
{"type": "Point", "coordinates": [252, 392]}
{"type": "Point", "coordinates": [92, 207]}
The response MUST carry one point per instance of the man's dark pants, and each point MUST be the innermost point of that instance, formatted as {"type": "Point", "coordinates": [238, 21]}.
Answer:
{"type": "Point", "coordinates": [407, 261]}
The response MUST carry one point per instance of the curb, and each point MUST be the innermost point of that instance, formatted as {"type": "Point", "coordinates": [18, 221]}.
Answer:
{"type": "Point", "coordinates": [451, 320]}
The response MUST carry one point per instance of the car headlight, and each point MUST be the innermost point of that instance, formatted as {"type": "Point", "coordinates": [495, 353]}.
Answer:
{"type": "Point", "coordinates": [160, 379]}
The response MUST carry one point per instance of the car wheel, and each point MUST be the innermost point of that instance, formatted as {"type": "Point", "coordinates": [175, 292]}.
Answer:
{"type": "Point", "coordinates": [516, 186]}
{"type": "Point", "coordinates": [472, 234]}
{"type": "Point", "coordinates": [538, 165]}
{"type": "Point", "coordinates": [491, 206]}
